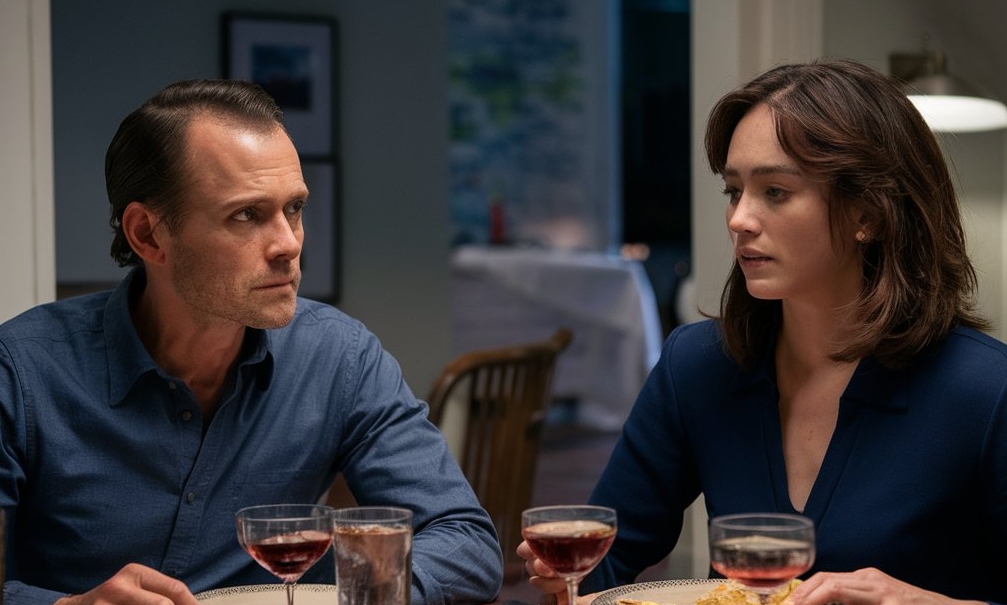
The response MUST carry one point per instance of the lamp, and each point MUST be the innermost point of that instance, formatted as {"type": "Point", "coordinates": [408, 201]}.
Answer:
{"type": "Point", "coordinates": [947, 103]}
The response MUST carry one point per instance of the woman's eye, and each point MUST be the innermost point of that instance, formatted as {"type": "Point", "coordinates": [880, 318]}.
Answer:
{"type": "Point", "coordinates": [775, 193]}
{"type": "Point", "coordinates": [732, 193]}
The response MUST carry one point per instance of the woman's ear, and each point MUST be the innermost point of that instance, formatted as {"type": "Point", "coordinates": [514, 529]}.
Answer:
{"type": "Point", "coordinates": [863, 227]}
{"type": "Point", "coordinates": [143, 231]}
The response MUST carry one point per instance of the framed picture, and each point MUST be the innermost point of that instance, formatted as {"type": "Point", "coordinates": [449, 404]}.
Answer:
{"type": "Point", "coordinates": [294, 58]}
{"type": "Point", "coordinates": [320, 253]}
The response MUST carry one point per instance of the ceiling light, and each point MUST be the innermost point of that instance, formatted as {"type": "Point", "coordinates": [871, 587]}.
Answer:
{"type": "Point", "coordinates": [947, 103]}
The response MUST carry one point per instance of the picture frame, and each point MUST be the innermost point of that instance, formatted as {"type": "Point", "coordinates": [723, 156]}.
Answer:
{"type": "Point", "coordinates": [320, 255]}
{"type": "Point", "coordinates": [294, 58]}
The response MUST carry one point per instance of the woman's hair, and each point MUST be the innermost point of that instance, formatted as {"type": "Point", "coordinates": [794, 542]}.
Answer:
{"type": "Point", "coordinates": [147, 160]}
{"type": "Point", "coordinates": [851, 128]}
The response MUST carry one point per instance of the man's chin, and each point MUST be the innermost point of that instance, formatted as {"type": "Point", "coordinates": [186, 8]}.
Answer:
{"type": "Point", "coordinates": [276, 316]}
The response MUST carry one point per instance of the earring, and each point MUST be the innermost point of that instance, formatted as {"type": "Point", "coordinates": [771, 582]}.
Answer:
{"type": "Point", "coordinates": [861, 237]}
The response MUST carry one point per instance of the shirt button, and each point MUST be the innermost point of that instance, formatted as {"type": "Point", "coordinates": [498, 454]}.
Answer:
{"type": "Point", "coordinates": [172, 386]}
{"type": "Point", "coordinates": [186, 415]}
{"type": "Point", "coordinates": [190, 497]}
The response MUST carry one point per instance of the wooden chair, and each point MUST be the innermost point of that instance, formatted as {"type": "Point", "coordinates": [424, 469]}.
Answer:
{"type": "Point", "coordinates": [499, 398]}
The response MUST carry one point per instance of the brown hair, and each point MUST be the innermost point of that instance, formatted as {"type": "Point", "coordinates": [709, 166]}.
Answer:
{"type": "Point", "coordinates": [146, 160]}
{"type": "Point", "coordinates": [851, 128]}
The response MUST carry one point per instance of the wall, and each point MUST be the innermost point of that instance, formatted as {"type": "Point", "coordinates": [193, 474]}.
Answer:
{"type": "Point", "coordinates": [108, 57]}
{"type": "Point", "coordinates": [27, 266]}
{"type": "Point", "coordinates": [868, 30]}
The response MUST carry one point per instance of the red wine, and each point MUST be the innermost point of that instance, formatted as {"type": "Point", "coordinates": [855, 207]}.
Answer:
{"type": "Point", "coordinates": [570, 547]}
{"type": "Point", "coordinates": [761, 561]}
{"type": "Point", "coordinates": [290, 555]}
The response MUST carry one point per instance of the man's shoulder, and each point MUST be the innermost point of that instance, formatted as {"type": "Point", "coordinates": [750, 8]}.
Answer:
{"type": "Point", "coordinates": [318, 322]}
{"type": "Point", "coordinates": [56, 320]}
{"type": "Point", "coordinates": [313, 314]}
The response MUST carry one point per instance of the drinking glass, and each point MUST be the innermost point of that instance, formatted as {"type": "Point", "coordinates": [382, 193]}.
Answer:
{"type": "Point", "coordinates": [762, 551]}
{"type": "Point", "coordinates": [570, 539]}
{"type": "Point", "coordinates": [374, 546]}
{"type": "Point", "coordinates": [286, 539]}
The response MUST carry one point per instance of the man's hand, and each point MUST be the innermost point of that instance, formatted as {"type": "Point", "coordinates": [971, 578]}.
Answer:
{"type": "Point", "coordinates": [135, 584]}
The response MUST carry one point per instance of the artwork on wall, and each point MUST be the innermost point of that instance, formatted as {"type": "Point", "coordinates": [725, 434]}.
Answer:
{"type": "Point", "coordinates": [294, 59]}
{"type": "Point", "coordinates": [520, 144]}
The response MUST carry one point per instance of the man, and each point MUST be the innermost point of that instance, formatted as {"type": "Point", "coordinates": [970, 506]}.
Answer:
{"type": "Point", "coordinates": [136, 422]}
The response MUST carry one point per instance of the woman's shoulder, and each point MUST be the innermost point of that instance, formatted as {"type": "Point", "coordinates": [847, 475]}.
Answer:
{"type": "Point", "coordinates": [972, 349]}
{"type": "Point", "coordinates": [701, 338]}
{"type": "Point", "coordinates": [696, 351]}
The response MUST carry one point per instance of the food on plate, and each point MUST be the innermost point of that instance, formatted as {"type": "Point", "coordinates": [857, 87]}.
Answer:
{"type": "Point", "coordinates": [634, 602]}
{"type": "Point", "coordinates": [733, 593]}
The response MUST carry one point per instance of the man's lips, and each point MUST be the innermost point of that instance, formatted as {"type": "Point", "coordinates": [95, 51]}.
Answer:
{"type": "Point", "coordinates": [278, 284]}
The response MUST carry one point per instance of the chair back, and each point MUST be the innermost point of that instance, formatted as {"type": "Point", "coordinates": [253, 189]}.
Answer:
{"type": "Point", "coordinates": [499, 397]}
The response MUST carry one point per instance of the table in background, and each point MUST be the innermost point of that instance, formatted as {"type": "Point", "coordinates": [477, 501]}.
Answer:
{"type": "Point", "coordinates": [502, 296]}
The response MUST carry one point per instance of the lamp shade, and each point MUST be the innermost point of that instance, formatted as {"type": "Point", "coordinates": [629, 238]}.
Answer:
{"type": "Point", "coordinates": [947, 103]}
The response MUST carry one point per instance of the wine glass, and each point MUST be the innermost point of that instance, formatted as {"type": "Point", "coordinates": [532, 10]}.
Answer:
{"type": "Point", "coordinates": [570, 539]}
{"type": "Point", "coordinates": [762, 551]}
{"type": "Point", "coordinates": [286, 539]}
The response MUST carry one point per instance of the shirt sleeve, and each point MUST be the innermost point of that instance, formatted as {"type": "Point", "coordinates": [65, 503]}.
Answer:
{"type": "Point", "coordinates": [19, 593]}
{"type": "Point", "coordinates": [398, 457]}
{"type": "Point", "coordinates": [650, 479]}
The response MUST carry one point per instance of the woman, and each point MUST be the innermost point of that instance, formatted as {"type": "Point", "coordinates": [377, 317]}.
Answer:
{"type": "Point", "coordinates": [846, 378]}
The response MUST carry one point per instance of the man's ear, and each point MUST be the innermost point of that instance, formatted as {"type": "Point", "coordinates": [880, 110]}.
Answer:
{"type": "Point", "coordinates": [144, 232]}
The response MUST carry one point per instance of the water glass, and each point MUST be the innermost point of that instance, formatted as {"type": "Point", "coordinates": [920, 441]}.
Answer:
{"type": "Point", "coordinates": [373, 546]}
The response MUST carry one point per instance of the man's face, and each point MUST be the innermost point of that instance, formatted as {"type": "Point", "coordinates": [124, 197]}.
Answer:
{"type": "Point", "coordinates": [236, 255]}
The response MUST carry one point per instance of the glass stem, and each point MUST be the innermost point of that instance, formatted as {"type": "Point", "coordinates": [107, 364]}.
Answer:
{"type": "Point", "coordinates": [290, 592]}
{"type": "Point", "coordinates": [571, 591]}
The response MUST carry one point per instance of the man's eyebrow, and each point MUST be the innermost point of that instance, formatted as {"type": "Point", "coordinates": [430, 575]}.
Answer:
{"type": "Point", "coordinates": [764, 170]}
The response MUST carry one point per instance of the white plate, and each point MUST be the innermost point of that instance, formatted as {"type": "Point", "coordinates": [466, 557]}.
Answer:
{"type": "Point", "coordinates": [270, 594]}
{"type": "Point", "coordinates": [667, 592]}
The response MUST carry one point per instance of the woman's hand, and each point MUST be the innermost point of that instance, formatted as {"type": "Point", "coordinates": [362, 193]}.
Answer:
{"type": "Point", "coordinates": [865, 587]}
{"type": "Point", "coordinates": [542, 577]}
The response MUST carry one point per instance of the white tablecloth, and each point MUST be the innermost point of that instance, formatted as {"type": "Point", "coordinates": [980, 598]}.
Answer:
{"type": "Point", "coordinates": [503, 296]}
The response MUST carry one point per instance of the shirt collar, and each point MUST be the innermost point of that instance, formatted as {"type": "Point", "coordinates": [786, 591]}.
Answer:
{"type": "Point", "coordinates": [872, 384]}
{"type": "Point", "coordinates": [128, 360]}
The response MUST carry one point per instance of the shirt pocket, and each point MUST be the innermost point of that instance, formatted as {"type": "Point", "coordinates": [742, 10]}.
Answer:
{"type": "Point", "coordinates": [302, 485]}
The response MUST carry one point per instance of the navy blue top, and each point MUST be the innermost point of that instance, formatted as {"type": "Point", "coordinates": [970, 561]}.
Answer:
{"type": "Point", "coordinates": [104, 460]}
{"type": "Point", "coordinates": [914, 481]}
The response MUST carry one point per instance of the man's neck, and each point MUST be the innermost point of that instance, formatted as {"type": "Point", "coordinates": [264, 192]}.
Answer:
{"type": "Point", "coordinates": [198, 351]}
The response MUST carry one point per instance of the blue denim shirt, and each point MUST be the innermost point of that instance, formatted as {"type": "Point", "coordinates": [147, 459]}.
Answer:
{"type": "Point", "coordinates": [104, 460]}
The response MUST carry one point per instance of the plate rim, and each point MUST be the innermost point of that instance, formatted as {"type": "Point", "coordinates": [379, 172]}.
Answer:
{"type": "Point", "coordinates": [227, 591]}
{"type": "Point", "coordinates": [609, 596]}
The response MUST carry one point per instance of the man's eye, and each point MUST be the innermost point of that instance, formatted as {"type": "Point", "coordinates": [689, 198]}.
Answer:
{"type": "Point", "coordinates": [296, 207]}
{"type": "Point", "coordinates": [245, 215]}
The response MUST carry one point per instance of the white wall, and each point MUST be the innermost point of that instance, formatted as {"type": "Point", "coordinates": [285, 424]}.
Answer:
{"type": "Point", "coordinates": [27, 267]}
{"type": "Point", "coordinates": [109, 56]}
{"type": "Point", "coordinates": [869, 30]}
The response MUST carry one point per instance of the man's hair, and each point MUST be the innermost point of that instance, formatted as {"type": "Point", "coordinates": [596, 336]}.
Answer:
{"type": "Point", "coordinates": [853, 129]}
{"type": "Point", "coordinates": [147, 161]}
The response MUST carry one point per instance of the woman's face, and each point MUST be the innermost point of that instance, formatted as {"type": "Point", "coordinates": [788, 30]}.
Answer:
{"type": "Point", "coordinates": [779, 223]}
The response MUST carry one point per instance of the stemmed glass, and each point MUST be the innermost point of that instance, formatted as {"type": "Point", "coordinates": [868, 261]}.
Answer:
{"type": "Point", "coordinates": [570, 539]}
{"type": "Point", "coordinates": [762, 551]}
{"type": "Point", "coordinates": [286, 539]}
